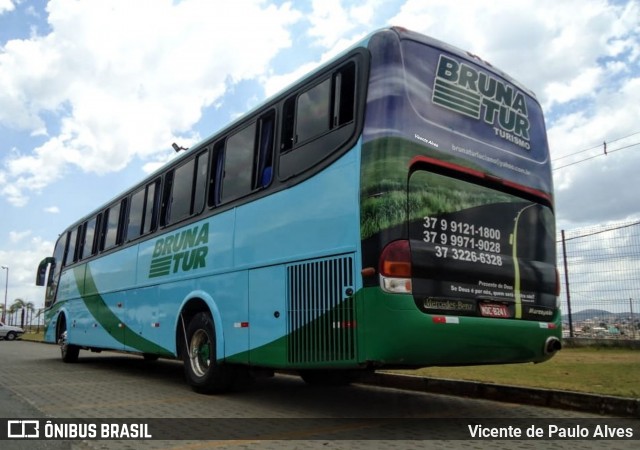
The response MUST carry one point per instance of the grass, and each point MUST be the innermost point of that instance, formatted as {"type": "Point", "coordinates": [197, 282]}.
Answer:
{"type": "Point", "coordinates": [31, 336]}
{"type": "Point", "coordinates": [610, 371]}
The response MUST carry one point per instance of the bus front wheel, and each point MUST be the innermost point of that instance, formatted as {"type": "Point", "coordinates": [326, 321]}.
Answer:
{"type": "Point", "coordinates": [202, 371]}
{"type": "Point", "coordinates": [68, 352]}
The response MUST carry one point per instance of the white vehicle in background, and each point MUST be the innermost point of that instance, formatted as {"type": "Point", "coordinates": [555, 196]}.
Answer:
{"type": "Point", "coordinates": [8, 332]}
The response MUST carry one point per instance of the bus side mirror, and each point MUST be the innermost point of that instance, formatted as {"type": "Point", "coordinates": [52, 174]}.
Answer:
{"type": "Point", "coordinates": [42, 270]}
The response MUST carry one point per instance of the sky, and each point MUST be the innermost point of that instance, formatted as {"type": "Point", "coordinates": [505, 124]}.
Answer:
{"type": "Point", "coordinates": [93, 93]}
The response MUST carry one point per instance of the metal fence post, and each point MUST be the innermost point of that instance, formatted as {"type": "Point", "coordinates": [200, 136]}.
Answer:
{"type": "Point", "coordinates": [566, 282]}
{"type": "Point", "coordinates": [633, 319]}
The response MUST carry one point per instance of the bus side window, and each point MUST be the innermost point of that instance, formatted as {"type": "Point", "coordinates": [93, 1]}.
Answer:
{"type": "Point", "coordinates": [312, 112]}
{"type": "Point", "coordinates": [152, 200]}
{"type": "Point", "coordinates": [70, 255]}
{"type": "Point", "coordinates": [264, 160]}
{"type": "Point", "coordinates": [136, 214]}
{"type": "Point", "coordinates": [185, 189]}
{"type": "Point", "coordinates": [215, 174]}
{"type": "Point", "coordinates": [143, 211]}
{"type": "Point", "coordinates": [344, 95]}
{"type": "Point", "coordinates": [318, 121]}
{"type": "Point", "coordinates": [200, 183]}
{"type": "Point", "coordinates": [165, 208]}
{"type": "Point", "coordinates": [88, 238]}
{"type": "Point", "coordinates": [239, 167]}
{"type": "Point", "coordinates": [288, 117]}
{"type": "Point", "coordinates": [112, 226]}
{"type": "Point", "coordinates": [180, 198]}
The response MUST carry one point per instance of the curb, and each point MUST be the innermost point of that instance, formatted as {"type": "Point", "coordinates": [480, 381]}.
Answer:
{"type": "Point", "coordinates": [576, 401]}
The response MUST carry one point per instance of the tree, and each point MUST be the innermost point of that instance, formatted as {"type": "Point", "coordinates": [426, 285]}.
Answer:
{"type": "Point", "coordinates": [30, 307]}
{"type": "Point", "coordinates": [12, 314]}
{"type": "Point", "coordinates": [19, 305]}
{"type": "Point", "coordinates": [39, 314]}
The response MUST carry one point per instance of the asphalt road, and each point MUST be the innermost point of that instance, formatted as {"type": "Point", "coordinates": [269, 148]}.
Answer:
{"type": "Point", "coordinates": [280, 412]}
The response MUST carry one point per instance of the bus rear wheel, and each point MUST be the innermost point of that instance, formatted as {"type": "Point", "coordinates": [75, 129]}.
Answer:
{"type": "Point", "coordinates": [202, 371]}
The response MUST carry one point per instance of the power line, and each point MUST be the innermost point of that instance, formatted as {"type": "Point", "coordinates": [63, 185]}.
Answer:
{"type": "Point", "coordinates": [622, 148]}
{"type": "Point", "coordinates": [596, 146]}
{"type": "Point", "coordinates": [577, 153]}
{"type": "Point", "coordinates": [605, 153]}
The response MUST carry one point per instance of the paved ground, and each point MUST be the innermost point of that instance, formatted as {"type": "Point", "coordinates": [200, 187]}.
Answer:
{"type": "Point", "coordinates": [34, 383]}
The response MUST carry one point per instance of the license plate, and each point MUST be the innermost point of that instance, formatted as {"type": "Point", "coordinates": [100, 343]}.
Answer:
{"type": "Point", "coordinates": [494, 310]}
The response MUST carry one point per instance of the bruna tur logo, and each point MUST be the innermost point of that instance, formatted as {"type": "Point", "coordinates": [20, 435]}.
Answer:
{"type": "Point", "coordinates": [466, 90]}
{"type": "Point", "coordinates": [182, 251]}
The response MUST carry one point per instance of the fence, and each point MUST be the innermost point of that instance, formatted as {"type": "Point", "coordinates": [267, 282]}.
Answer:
{"type": "Point", "coordinates": [600, 271]}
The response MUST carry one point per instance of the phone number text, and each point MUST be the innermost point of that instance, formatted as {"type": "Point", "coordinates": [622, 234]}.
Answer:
{"type": "Point", "coordinates": [460, 254]}
{"type": "Point", "coordinates": [463, 228]}
{"type": "Point", "coordinates": [483, 245]}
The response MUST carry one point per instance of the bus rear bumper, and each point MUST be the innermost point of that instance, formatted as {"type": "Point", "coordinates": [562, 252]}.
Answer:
{"type": "Point", "coordinates": [393, 332]}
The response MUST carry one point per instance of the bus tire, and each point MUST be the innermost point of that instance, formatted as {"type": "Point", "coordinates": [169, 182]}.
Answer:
{"type": "Point", "coordinates": [202, 371]}
{"type": "Point", "coordinates": [68, 352]}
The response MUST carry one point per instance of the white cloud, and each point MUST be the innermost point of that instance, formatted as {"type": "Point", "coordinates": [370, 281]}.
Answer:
{"type": "Point", "coordinates": [604, 188]}
{"type": "Point", "coordinates": [52, 210]}
{"type": "Point", "coordinates": [22, 268]}
{"type": "Point", "coordinates": [538, 42]}
{"type": "Point", "coordinates": [334, 27]}
{"type": "Point", "coordinates": [274, 83]}
{"type": "Point", "coordinates": [6, 5]}
{"type": "Point", "coordinates": [584, 84]}
{"type": "Point", "coordinates": [331, 20]}
{"type": "Point", "coordinates": [17, 236]}
{"type": "Point", "coordinates": [127, 79]}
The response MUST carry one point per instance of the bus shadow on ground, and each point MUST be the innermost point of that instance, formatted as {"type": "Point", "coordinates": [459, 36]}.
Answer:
{"type": "Point", "coordinates": [134, 366]}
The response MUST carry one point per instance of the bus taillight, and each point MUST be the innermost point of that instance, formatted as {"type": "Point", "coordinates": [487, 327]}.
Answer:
{"type": "Point", "coordinates": [395, 268]}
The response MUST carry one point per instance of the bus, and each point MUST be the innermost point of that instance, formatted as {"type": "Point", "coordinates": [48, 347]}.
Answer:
{"type": "Point", "coordinates": [393, 209]}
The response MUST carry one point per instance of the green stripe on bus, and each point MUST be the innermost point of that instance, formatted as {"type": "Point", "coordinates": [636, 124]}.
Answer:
{"type": "Point", "coordinates": [107, 319]}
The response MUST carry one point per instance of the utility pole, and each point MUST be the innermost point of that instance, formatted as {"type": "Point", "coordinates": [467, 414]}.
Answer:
{"type": "Point", "coordinates": [6, 289]}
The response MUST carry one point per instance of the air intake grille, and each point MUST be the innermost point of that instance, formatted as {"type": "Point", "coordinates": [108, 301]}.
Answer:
{"type": "Point", "coordinates": [322, 317]}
